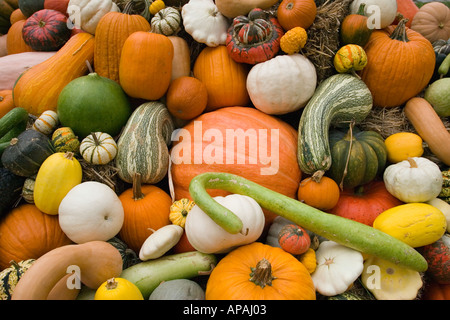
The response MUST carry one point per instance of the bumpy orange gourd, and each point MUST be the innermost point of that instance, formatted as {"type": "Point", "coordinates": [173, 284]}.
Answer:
{"type": "Point", "coordinates": [395, 56]}
{"type": "Point", "coordinates": [259, 272]}
{"type": "Point", "coordinates": [224, 78]}
{"type": "Point", "coordinates": [110, 35]}
{"type": "Point", "coordinates": [28, 233]}
{"type": "Point", "coordinates": [145, 67]}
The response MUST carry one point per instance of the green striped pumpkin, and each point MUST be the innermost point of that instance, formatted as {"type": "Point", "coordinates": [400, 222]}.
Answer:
{"type": "Point", "coordinates": [64, 140]}
{"type": "Point", "coordinates": [338, 100]}
{"type": "Point", "coordinates": [143, 144]}
{"type": "Point", "coordinates": [98, 148]}
{"type": "Point", "coordinates": [166, 21]}
{"type": "Point", "coordinates": [10, 276]}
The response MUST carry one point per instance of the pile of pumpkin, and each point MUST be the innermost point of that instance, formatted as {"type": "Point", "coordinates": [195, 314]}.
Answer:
{"type": "Point", "coordinates": [339, 213]}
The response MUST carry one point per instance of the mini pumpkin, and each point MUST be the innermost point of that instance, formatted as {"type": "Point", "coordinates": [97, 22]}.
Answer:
{"type": "Point", "coordinates": [64, 140]}
{"type": "Point", "coordinates": [294, 239]}
{"type": "Point", "coordinates": [98, 148]}
{"type": "Point", "coordinates": [179, 211]}
{"type": "Point", "coordinates": [167, 21]}
{"type": "Point", "coordinates": [350, 58]}
{"type": "Point", "coordinates": [47, 122]}
{"type": "Point", "coordinates": [308, 259]}
{"type": "Point", "coordinates": [319, 191]}
{"type": "Point", "coordinates": [155, 6]}
{"type": "Point", "coordinates": [403, 145]}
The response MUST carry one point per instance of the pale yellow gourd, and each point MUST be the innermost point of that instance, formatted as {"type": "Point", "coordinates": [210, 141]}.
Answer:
{"type": "Point", "coordinates": [118, 289]}
{"type": "Point", "coordinates": [402, 145]}
{"type": "Point", "coordinates": [57, 175]}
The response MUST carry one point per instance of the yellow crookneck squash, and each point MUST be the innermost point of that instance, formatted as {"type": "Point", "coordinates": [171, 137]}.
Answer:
{"type": "Point", "coordinates": [37, 89]}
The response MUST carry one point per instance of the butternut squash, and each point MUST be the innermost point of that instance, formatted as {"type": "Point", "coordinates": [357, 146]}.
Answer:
{"type": "Point", "coordinates": [181, 63]}
{"type": "Point", "coordinates": [429, 126]}
{"type": "Point", "coordinates": [38, 89]}
{"type": "Point", "coordinates": [97, 262]}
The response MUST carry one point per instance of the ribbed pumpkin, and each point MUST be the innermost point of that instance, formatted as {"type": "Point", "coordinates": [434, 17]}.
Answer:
{"type": "Point", "coordinates": [145, 67]}
{"type": "Point", "coordinates": [224, 78]}
{"type": "Point", "coordinates": [98, 148]}
{"type": "Point", "coordinates": [46, 30]}
{"type": "Point", "coordinates": [296, 13]}
{"type": "Point", "coordinates": [166, 21]}
{"type": "Point", "coordinates": [111, 32]}
{"type": "Point", "coordinates": [15, 42]}
{"type": "Point", "coordinates": [259, 272]}
{"type": "Point", "coordinates": [47, 122]}
{"type": "Point", "coordinates": [432, 21]}
{"type": "Point", "coordinates": [146, 207]}
{"type": "Point", "coordinates": [354, 29]}
{"type": "Point", "coordinates": [28, 233]}
{"type": "Point", "coordinates": [196, 152]}
{"type": "Point", "coordinates": [38, 89]}
{"type": "Point", "coordinates": [294, 239]}
{"type": "Point", "coordinates": [319, 191]}
{"type": "Point", "coordinates": [395, 56]}
{"type": "Point", "coordinates": [6, 102]}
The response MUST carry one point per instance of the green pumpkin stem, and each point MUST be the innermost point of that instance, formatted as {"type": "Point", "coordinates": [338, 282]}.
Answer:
{"type": "Point", "coordinates": [261, 275]}
{"type": "Point", "coordinates": [95, 138]}
{"type": "Point", "coordinates": [361, 9]}
{"type": "Point", "coordinates": [399, 32]}
{"type": "Point", "coordinates": [137, 191]}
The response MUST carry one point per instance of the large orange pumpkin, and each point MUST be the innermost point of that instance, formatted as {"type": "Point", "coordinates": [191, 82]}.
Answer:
{"type": "Point", "coordinates": [237, 140]}
{"type": "Point", "coordinates": [224, 78]}
{"type": "Point", "coordinates": [110, 35]}
{"type": "Point", "coordinates": [145, 67]}
{"type": "Point", "coordinates": [146, 209]}
{"type": "Point", "coordinates": [259, 272]}
{"type": "Point", "coordinates": [400, 65]}
{"type": "Point", "coordinates": [28, 233]}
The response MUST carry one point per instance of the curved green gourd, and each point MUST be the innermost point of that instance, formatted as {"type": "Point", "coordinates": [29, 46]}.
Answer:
{"type": "Point", "coordinates": [347, 232]}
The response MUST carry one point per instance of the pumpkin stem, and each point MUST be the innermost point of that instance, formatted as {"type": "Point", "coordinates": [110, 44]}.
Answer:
{"type": "Point", "coordinates": [111, 284]}
{"type": "Point", "coordinates": [137, 191]}
{"type": "Point", "coordinates": [412, 162]}
{"type": "Point", "coordinates": [94, 137]}
{"type": "Point", "coordinates": [15, 265]}
{"type": "Point", "coordinates": [317, 176]}
{"type": "Point", "coordinates": [89, 66]}
{"type": "Point", "coordinates": [361, 9]}
{"type": "Point", "coordinates": [399, 32]}
{"type": "Point", "coordinates": [69, 155]}
{"type": "Point", "coordinates": [261, 275]}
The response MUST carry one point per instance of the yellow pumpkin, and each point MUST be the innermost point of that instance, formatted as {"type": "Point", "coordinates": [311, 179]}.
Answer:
{"type": "Point", "coordinates": [416, 224]}
{"type": "Point", "coordinates": [403, 145]}
{"type": "Point", "coordinates": [179, 211]}
{"type": "Point", "coordinates": [59, 173]}
{"type": "Point", "coordinates": [118, 289]}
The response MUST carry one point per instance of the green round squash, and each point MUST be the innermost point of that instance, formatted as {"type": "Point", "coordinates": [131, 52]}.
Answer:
{"type": "Point", "coordinates": [10, 276]}
{"type": "Point", "coordinates": [28, 7]}
{"type": "Point", "coordinates": [178, 289]}
{"type": "Point", "coordinates": [93, 104]}
{"type": "Point", "coordinates": [129, 257]}
{"type": "Point", "coordinates": [360, 155]}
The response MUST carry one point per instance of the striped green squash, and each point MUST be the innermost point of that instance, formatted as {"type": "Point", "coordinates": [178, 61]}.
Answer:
{"type": "Point", "coordinates": [64, 139]}
{"type": "Point", "coordinates": [166, 21]}
{"type": "Point", "coordinates": [10, 276]}
{"type": "Point", "coordinates": [143, 144]}
{"type": "Point", "coordinates": [338, 100]}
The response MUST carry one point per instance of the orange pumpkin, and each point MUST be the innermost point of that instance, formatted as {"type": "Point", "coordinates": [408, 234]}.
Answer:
{"type": "Point", "coordinates": [14, 41]}
{"type": "Point", "coordinates": [146, 209]}
{"type": "Point", "coordinates": [396, 55]}
{"type": "Point", "coordinates": [110, 35]}
{"type": "Point", "coordinates": [224, 78]}
{"type": "Point", "coordinates": [6, 102]}
{"type": "Point", "coordinates": [16, 15]}
{"type": "Point", "coordinates": [203, 146]}
{"type": "Point", "coordinates": [294, 239]}
{"type": "Point", "coordinates": [28, 233]}
{"type": "Point", "coordinates": [408, 9]}
{"type": "Point", "coordinates": [296, 13]}
{"type": "Point", "coordinates": [259, 272]}
{"type": "Point", "coordinates": [432, 21]}
{"type": "Point", "coordinates": [186, 97]}
{"type": "Point", "coordinates": [319, 191]}
{"type": "Point", "coordinates": [145, 67]}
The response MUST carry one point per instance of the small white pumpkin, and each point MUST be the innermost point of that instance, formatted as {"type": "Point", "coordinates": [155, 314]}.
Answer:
{"type": "Point", "coordinates": [203, 21]}
{"type": "Point", "coordinates": [272, 234]}
{"type": "Point", "coordinates": [160, 241]}
{"type": "Point", "coordinates": [416, 179]}
{"type": "Point", "coordinates": [86, 14]}
{"type": "Point", "coordinates": [91, 211]}
{"type": "Point", "coordinates": [208, 237]}
{"type": "Point", "coordinates": [98, 148]}
{"type": "Point", "coordinates": [337, 268]}
{"type": "Point", "coordinates": [380, 13]}
{"type": "Point", "coordinates": [166, 21]}
{"type": "Point", "coordinates": [282, 84]}
{"type": "Point", "coordinates": [47, 122]}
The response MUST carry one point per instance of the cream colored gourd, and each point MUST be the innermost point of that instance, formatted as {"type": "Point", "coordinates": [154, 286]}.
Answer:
{"type": "Point", "coordinates": [416, 179]}
{"type": "Point", "coordinates": [57, 175]}
{"type": "Point", "coordinates": [380, 13]}
{"type": "Point", "coordinates": [160, 241]}
{"type": "Point", "coordinates": [87, 13]}
{"type": "Point", "coordinates": [47, 122]}
{"type": "Point", "coordinates": [282, 84]}
{"type": "Point", "coordinates": [389, 281]}
{"type": "Point", "coordinates": [91, 211]}
{"type": "Point", "coordinates": [181, 63]}
{"type": "Point", "coordinates": [166, 21]}
{"type": "Point", "coordinates": [98, 148]}
{"type": "Point", "coordinates": [444, 207]}
{"type": "Point", "coordinates": [208, 237]}
{"type": "Point", "coordinates": [337, 268]}
{"type": "Point", "coordinates": [234, 8]}
{"type": "Point", "coordinates": [203, 21]}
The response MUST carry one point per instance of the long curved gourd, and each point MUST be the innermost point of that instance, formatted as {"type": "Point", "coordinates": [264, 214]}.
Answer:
{"type": "Point", "coordinates": [344, 231]}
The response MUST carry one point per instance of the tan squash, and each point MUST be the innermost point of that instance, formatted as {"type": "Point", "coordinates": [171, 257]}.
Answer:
{"type": "Point", "coordinates": [429, 126]}
{"type": "Point", "coordinates": [38, 89]}
{"type": "Point", "coordinates": [181, 63]}
{"type": "Point", "coordinates": [97, 260]}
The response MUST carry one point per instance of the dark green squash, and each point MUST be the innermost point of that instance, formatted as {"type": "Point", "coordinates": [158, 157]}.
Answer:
{"type": "Point", "coordinates": [358, 157]}
{"type": "Point", "coordinates": [28, 7]}
{"type": "Point", "coordinates": [129, 257]}
{"type": "Point", "coordinates": [10, 189]}
{"type": "Point", "coordinates": [26, 153]}
{"type": "Point", "coordinates": [6, 8]}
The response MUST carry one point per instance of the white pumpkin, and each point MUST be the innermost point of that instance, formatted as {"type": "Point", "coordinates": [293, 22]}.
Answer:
{"type": "Point", "coordinates": [91, 211]}
{"type": "Point", "coordinates": [416, 179]}
{"type": "Point", "coordinates": [160, 241]}
{"type": "Point", "coordinates": [166, 21]}
{"type": "Point", "coordinates": [380, 13]}
{"type": "Point", "coordinates": [98, 148]}
{"type": "Point", "coordinates": [208, 237]}
{"type": "Point", "coordinates": [203, 21]}
{"type": "Point", "coordinates": [337, 268]}
{"type": "Point", "coordinates": [86, 14]}
{"type": "Point", "coordinates": [47, 122]}
{"type": "Point", "coordinates": [282, 84]}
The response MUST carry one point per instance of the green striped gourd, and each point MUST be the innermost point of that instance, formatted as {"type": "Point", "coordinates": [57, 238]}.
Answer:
{"type": "Point", "coordinates": [10, 276]}
{"type": "Point", "coordinates": [64, 139]}
{"type": "Point", "coordinates": [339, 99]}
{"type": "Point", "coordinates": [143, 144]}
{"type": "Point", "coordinates": [166, 21]}
{"type": "Point", "coordinates": [445, 192]}
{"type": "Point", "coordinates": [98, 148]}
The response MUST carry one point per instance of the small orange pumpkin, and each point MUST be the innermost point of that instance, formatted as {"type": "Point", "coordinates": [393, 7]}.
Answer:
{"type": "Point", "coordinates": [259, 272]}
{"type": "Point", "coordinates": [319, 191]}
{"type": "Point", "coordinates": [14, 41]}
{"type": "Point", "coordinates": [186, 97]}
{"type": "Point", "coordinates": [294, 239]}
{"type": "Point", "coordinates": [296, 13]}
{"type": "Point", "coordinates": [6, 102]}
